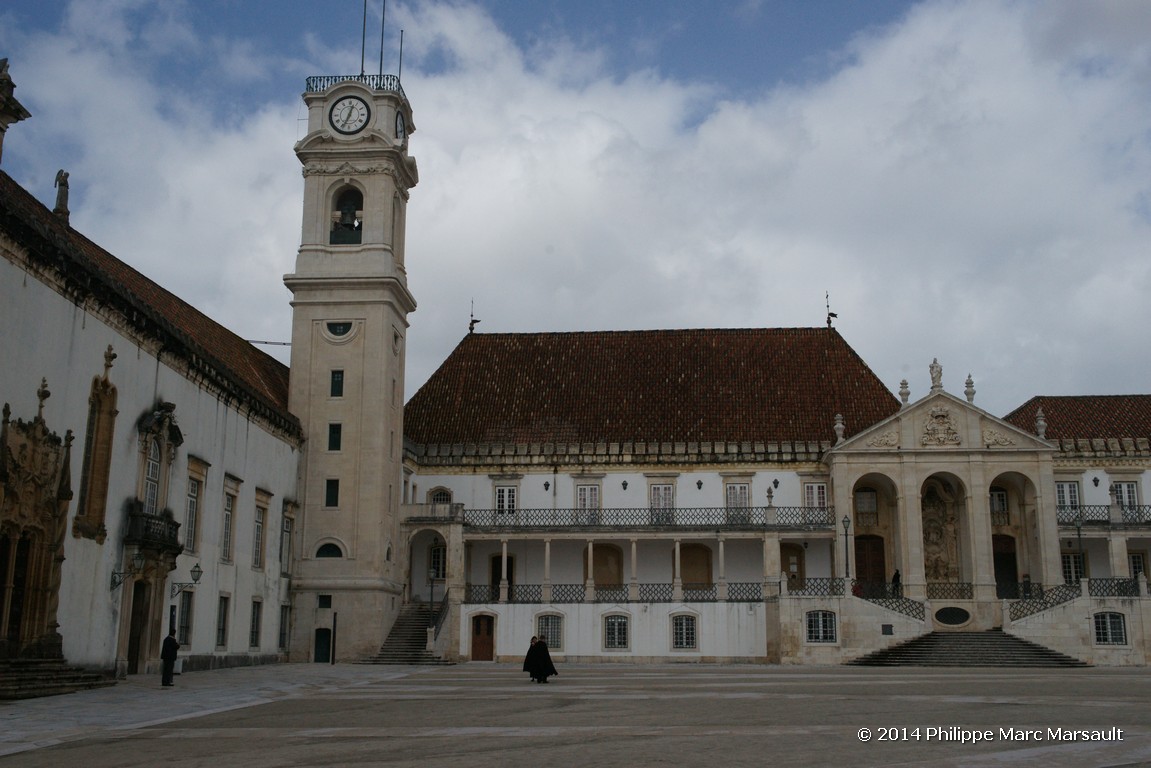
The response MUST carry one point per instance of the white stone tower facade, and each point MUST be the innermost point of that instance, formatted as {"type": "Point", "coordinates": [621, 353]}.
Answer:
{"type": "Point", "coordinates": [350, 307]}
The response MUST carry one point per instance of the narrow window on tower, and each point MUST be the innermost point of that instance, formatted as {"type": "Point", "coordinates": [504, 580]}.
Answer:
{"type": "Point", "coordinates": [337, 385]}
{"type": "Point", "coordinates": [331, 492]}
{"type": "Point", "coordinates": [335, 436]}
{"type": "Point", "coordinates": [347, 218]}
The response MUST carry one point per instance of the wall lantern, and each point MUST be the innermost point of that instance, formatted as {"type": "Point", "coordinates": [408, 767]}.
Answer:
{"type": "Point", "coordinates": [775, 483]}
{"type": "Point", "coordinates": [625, 485]}
{"type": "Point", "coordinates": [136, 568]}
{"type": "Point", "coordinates": [547, 485]}
{"type": "Point", "coordinates": [181, 586]}
{"type": "Point", "coordinates": [699, 484]}
{"type": "Point", "coordinates": [1095, 481]}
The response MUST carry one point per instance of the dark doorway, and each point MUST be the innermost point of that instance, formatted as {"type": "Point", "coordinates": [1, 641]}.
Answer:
{"type": "Point", "coordinates": [138, 629]}
{"type": "Point", "coordinates": [483, 644]}
{"type": "Point", "coordinates": [323, 646]}
{"type": "Point", "coordinates": [1006, 566]}
{"type": "Point", "coordinates": [497, 569]}
{"type": "Point", "coordinates": [870, 566]}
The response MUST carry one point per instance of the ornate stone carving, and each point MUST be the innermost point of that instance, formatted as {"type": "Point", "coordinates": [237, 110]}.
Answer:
{"type": "Point", "coordinates": [940, 428]}
{"type": "Point", "coordinates": [939, 537]}
{"type": "Point", "coordinates": [885, 440]}
{"type": "Point", "coordinates": [936, 371]}
{"type": "Point", "coordinates": [995, 437]}
{"type": "Point", "coordinates": [345, 169]}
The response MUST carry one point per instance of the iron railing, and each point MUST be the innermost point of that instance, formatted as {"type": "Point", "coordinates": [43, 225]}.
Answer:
{"type": "Point", "coordinates": [700, 593]}
{"type": "Point", "coordinates": [655, 593]}
{"type": "Point", "coordinates": [321, 83]}
{"type": "Point", "coordinates": [818, 586]}
{"type": "Point", "coordinates": [160, 532]}
{"type": "Point", "coordinates": [1113, 587]}
{"type": "Point", "coordinates": [644, 517]}
{"type": "Point", "coordinates": [481, 593]}
{"type": "Point", "coordinates": [1023, 590]}
{"type": "Point", "coordinates": [1087, 513]}
{"type": "Point", "coordinates": [950, 590]}
{"type": "Point", "coordinates": [1049, 597]}
{"type": "Point", "coordinates": [744, 591]}
{"type": "Point", "coordinates": [441, 613]}
{"type": "Point", "coordinates": [1137, 515]}
{"type": "Point", "coordinates": [568, 593]}
{"type": "Point", "coordinates": [525, 593]}
{"type": "Point", "coordinates": [612, 593]}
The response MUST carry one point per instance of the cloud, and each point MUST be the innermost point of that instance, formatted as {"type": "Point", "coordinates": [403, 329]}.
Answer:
{"type": "Point", "coordinates": [971, 182]}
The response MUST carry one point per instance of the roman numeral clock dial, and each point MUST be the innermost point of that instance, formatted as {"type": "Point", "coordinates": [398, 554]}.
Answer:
{"type": "Point", "coordinates": [349, 115]}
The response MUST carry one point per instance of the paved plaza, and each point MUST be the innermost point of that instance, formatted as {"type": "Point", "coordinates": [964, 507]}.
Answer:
{"type": "Point", "coordinates": [591, 715]}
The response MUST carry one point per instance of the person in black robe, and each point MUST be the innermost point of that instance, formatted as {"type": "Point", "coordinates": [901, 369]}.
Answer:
{"type": "Point", "coordinates": [168, 657]}
{"type": "Point", "coordinates": [528, 659]}
{"type": "Point", "coordinates": [539, 662]}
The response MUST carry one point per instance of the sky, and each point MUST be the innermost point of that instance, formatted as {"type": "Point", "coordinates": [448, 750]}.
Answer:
{"type": "Point", "coordinates": [967, 181]}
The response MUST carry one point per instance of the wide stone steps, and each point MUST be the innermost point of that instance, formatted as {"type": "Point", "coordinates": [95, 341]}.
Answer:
{"type": "Point", "coordinates": [32, 678]}
{"type": "Point", "coordinates": [993, 648]}
{"type": "Point", "coordinates": [406, 643]}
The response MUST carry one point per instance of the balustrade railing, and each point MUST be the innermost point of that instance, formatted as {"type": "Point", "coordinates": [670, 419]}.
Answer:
{"type": "Point", "coordinates": [815, 586]}
{"type": "Point", "coordinates": [950, 590]}
{"type": "Point", "coordinates": [160, 532]}
{"type": "Point", "coordinates": [440, 614]}
{"type": "Point", "coordinates": [1137, 515]}
{"type": "Point", "coordinates": [645, 517]}
{"type": "Point", "coordinates": [1113, 587]}
{"type": "Point", "coordinates": [1048, 597]}
{"type": "Point", "coordinates": [655, 593]}
{"type": "Point", "coordinates": [481, 593]}
{"type": "Point", "coordinates": [1023, 590]}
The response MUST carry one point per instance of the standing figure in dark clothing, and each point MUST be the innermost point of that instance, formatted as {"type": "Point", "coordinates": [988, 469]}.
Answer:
{"type": "Point", "coordinates": [896, 584]}
{"type": "Point", "coordinates": [528, 659]}
{"type": "Point", "coordinates": [539, 662]}
{"type": "Point", "coordinates": [168, 656]}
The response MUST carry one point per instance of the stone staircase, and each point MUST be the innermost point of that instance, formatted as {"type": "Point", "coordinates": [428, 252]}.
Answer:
{"type": "Point", "coordinates": [32, 678]}
{"type": "Point", "coordinates": [406, 643]}
{"type": "Point", "coordinates": [993, 648]}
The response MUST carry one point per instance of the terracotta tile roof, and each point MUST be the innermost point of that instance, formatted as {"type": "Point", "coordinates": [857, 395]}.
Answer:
{"type": "Point", "coordinates": [772, 384]}
{"type": "Point", "coordinates": [221, 357]}
{"type": "Point", "coordinates": [1087, 416]}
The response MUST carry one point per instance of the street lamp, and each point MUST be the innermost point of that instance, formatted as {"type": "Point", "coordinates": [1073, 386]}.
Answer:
{"type": "Point", "coordinates": [846, 524]}
{"type": "Point", "coordinates": [135, 569]}
{"type": "Point", "coordinates": [180, 586]}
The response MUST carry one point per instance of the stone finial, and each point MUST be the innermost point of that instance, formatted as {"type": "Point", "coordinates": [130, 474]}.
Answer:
{"type": "Point", "coordinates": [904, 392]}
{"type": "Point", "coordinates": [840, 428]}
{"type": "Point", "coordinates": [969, 390]}
{"type": "Point", "coordinates": [109, 356]}
{"type": "Point", "coordinates": [1040, 424]}
{"type": "Point", "coordinates": [42, 394]}
{"type": "Point", "coordinates": [936, 375]}
{"type": "Point", "coordinates": [770, 496]}
{"type": "Point", "coordinates": [61, 185]}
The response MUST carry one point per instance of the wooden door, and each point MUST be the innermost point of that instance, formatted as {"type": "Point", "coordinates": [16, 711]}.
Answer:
{"type": "Point", "coordinates": [138, 627]}
{"type": "Point", "coordinates": [483, 643]}
{"type": "Point", "coordinates": [323, 647]}
{"type": "Point", "coordinates": [870, 565]}
{"type": "Point", "coordinates": [792, 557]}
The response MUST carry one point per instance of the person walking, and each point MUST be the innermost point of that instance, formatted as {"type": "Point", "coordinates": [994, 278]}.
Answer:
{"type": "Point", "coordinates": [896, 584]}
{"type": "Point", "coordinates": [540, 662]}
{"type": "Point", "coordinates": [168, 657]}
{"type": "Point", "coordinates": [528, 659]}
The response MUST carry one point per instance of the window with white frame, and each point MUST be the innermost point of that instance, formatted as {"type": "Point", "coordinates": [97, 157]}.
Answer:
{"type": "Point", "coordinates": [286, 544]}
{"type": "Point", "coordinates": [550, 628]}
{"type": "Point", "coordinates": [1110, 628]}
{"type": "Point", "coordinates": [506, 498]}
{"type": "Point", "coordinates": [184, 618]}
{"type": "Point", "coordinates": [866, 508]}
{"type": "Point", "coordinates": [254, 625]}
{"type": "Point", "coordinates": [615, 632]}
{"type": "Point", "coordinates": [191, 514]}
{"type": "Point", "coordinates": [1126, 494]}
{"type": "Point", "coordinates": [815, 495]}
{"type": "Point", "coordinates": [438, 560]}
{"type": "Point", "coordinates": [820, 627]}
{"type": "Point", "coordinates": [1073, 569]}
{"type": "Point", "coordinates": [226, 538]}
{"type": "Point", "coordinates": [998, 503]}
{"type": "Point", "coordinates": [440, 496]}
{"type": "Point", "coordinates": [683, 633]}
{"type": "Point", "coordinates": [737, 495]}
{"type": "Point", "coordinates": [258, 538]}
{"type": "Point", "coordinates": [152, 478]}
{"type": "Point", "coordinates": [1067, 493]}
{"type": "Point", "coordinates": [1137, 563]}
{"type": "Point", "coordinates": [222, 622]}
{"type": "Point", "coordinates": [159, 439]}
{"type": "Point", "coordinates": [662, 495]}
{"type": "Point", "coordinates": [587, 496]}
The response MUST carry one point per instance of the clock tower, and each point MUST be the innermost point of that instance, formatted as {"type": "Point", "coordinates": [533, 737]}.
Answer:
{"type": "Point", "coordinates": [350, 303]}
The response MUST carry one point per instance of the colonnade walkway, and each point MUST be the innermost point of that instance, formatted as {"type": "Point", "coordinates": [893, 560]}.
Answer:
{"type": "Point", "coordinates": [591, 715]}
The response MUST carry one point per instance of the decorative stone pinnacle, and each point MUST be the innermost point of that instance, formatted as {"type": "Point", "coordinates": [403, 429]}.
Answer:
{"type": "Point", "coordinates": [970, 389]}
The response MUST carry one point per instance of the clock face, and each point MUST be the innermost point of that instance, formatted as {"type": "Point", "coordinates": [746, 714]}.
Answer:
{"type": "Point", "coordinates": [349, 115]}
{"type": "Point", "coordinates": [401, 126]}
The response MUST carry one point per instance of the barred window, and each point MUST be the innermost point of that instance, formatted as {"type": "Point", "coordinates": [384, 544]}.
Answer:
{"type": "Point", "coordinates": [820, 627]}
{"type": "Point", "coordinates": [222, 622]}
{"type": "Point", "coordinates": [550, 627]}
{"type": "Point", "coordinates": [191, 514]}
{"type": "Point", "coordinates": [683, 634]}
{"type": "Point", "coordinates": [184, 619]}
{"type": "Point", "coordinates": [254, 627]}
{"type": "Point", "coordinates": [285, 619]}
{"type": "Point", "coordinates": [226, 543]}
{"type": "Point", "coordinates": [615, 632]}
{"type": "Point", "coordinates": [1110, 629]}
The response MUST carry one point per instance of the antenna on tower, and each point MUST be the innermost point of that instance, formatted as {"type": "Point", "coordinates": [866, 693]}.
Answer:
{"type": "Point", "coordinates": [400, 69]}
{"type": "Point", "coordinates": [827, 302]}
{"type": "Point", "coordinates": [473, 320]}
{"type": "Point", "coordinates": [383, 16]}
{"type": "Point", "coordinates": [363, 37]}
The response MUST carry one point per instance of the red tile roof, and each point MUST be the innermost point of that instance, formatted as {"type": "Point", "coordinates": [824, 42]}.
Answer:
{"type": "Point", "coordinates": [772, 384]}
{"type": "Point", "coordinates": [1087, 416]}
{"type": "Point", "coordinates": [219, 356]}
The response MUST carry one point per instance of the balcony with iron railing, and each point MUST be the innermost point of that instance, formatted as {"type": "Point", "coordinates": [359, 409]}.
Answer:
{"type": "Point", "coordinates": [643, 592]}
{"type": "Point", "coordinates": [634, 518]}
{"type": "Point", "coordinates": [1094, 515]}
{"type": "Point", "coordinates": [321, 83]}
{"type": "Point", "coordinates": [153, 532]}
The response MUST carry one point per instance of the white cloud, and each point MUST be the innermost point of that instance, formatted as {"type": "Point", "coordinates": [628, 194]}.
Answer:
{"type": "Point", "coordinates": [972, 183]}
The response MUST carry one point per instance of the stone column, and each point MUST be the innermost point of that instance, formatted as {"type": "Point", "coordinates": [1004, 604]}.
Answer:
{"type": "Point", "coordinates": [676, 581]}
{"type": "Point", "coordinates": [981, 556]}
{"type": "Point", "coordinates": [503, 570]}
{"type": "Point", "coordinates": [633, 586]}
{"type": "Point", "coordinates": [721, 584]}
{"type": "Point", "coordinates": [772, 569]}
{"type": "Point", "coordinates": [589, 585]}
{"type": "Point", "coordinates": [910, 517]}
{"type": "Point", "coordinates": [546, 589]}
{"type": "Point", "coordinates": [1117, 553]}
